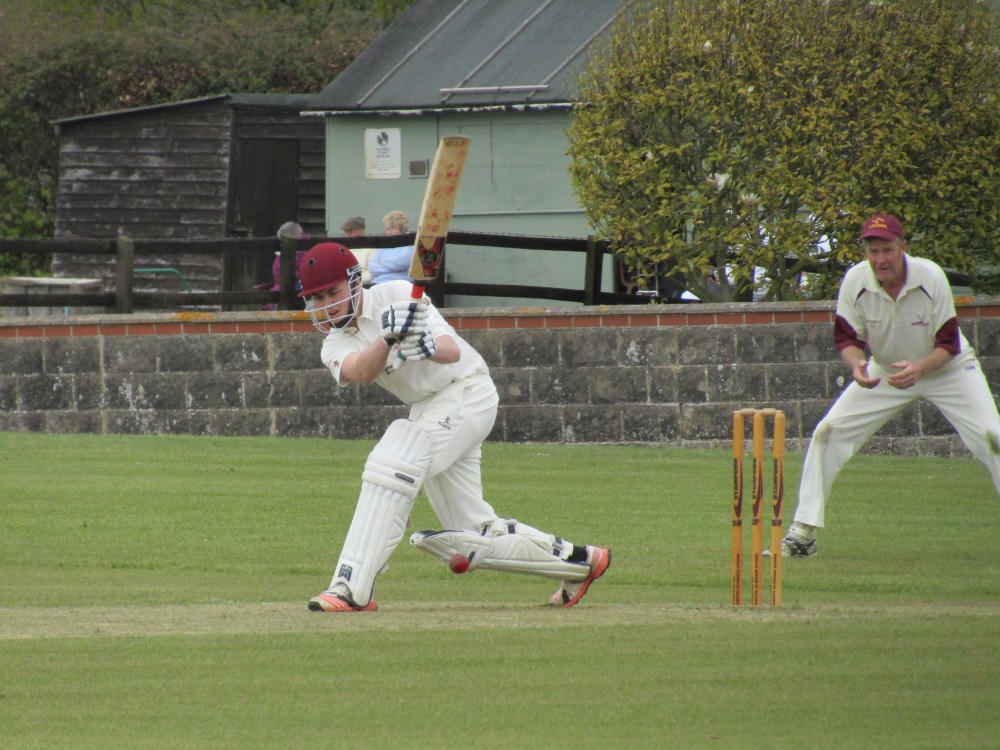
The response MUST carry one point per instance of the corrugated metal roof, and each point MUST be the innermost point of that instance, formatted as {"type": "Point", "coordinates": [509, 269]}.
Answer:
{"type": "Point", "coordinates": [471, 53]}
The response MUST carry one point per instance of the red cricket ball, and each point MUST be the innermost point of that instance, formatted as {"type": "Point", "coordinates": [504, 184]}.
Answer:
{"type": "Point", "coordinates": [458, 563]}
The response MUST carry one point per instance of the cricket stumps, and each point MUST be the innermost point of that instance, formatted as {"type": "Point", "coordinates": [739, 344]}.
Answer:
{"type": "Point", "coordinates": [758, 442]}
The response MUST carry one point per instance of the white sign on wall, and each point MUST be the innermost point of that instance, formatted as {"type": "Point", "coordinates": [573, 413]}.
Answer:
{"type": "Point", "coordinates": [383, 153]}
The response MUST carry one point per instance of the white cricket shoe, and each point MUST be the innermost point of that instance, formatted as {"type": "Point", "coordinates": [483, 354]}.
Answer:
{"type": "Point", "coordinates": [795, 546]}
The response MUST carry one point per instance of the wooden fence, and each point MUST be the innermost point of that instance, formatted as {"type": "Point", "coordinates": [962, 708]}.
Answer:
{"type": "Point", "coordinates": [127, 251]}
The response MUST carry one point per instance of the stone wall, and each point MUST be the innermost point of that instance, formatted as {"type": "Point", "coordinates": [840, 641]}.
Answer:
{"type": "Point", "coordinates": [661, 374]}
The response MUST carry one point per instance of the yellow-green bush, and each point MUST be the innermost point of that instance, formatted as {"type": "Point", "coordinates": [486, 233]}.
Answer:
{"type": "Point", "coordinates": [726, 134]}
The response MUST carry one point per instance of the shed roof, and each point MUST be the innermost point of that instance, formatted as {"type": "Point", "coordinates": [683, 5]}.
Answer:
{"type": "Point", "coordinates": [473, 53]}
{"type": "Point", "coordinates": [275, 101]}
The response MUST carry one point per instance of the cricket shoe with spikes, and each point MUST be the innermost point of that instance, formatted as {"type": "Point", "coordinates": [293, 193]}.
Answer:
{"type": "Point", "coordinates": [330, 601]}
{"type": "Point", "coordinates": [795, 546]}
{"type": "Point", "coordinates": [599, 560]}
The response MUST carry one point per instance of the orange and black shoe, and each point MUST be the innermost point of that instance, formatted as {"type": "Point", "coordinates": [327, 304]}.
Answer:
{"type": "Point", "coordinates": [331, 602]}
{"type": "Point", "coordinates": [599, 560]}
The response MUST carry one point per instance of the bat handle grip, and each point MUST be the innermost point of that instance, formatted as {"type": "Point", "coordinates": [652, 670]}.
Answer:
{"type": "Point", "coordinates": [416, 294]}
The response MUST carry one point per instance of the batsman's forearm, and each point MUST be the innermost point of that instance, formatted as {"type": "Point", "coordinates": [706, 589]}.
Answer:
{"type": "Point", "coordinates": [448, 351]}
{"type": "Point", "coordinates": [365, 366]}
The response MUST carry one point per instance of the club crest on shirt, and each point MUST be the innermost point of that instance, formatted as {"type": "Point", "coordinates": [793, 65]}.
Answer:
{"type": "Point", "coordinates": [920, 321]}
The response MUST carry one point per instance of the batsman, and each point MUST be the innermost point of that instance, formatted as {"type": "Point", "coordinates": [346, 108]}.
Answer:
{"type": "Point", "coordinates": [382, 335]}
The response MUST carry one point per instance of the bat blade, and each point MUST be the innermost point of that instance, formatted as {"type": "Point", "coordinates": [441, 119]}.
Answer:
{"type": "Point", "coordinates": [435, 213]}
{"type": "Point", "coordinates": [435, 218]}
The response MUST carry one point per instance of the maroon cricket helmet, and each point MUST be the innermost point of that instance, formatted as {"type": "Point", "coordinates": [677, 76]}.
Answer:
{"type": "Point", "coordinates": [326, 265]}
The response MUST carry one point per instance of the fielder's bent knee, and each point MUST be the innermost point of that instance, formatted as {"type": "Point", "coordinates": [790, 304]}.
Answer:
{"type": "Point", "coordinates": [993, 442]}
{"type": "Point", "coordinates": [821, 434]}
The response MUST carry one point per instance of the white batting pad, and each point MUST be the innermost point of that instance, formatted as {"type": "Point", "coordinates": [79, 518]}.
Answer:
{"type": "Point", "coordinates": [446, 544]}
{"type": "Point", "coordinates": [391, 480]}
{"type": "Point", "coordinates": [518, 548]}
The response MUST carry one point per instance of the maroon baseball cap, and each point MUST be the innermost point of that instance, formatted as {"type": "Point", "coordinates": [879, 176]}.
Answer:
{"type": "Point", "coordinates": [883, 226]}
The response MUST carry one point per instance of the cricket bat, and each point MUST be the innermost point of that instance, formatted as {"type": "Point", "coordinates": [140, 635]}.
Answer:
{"type": "Point", "coordinates": [435, 215]}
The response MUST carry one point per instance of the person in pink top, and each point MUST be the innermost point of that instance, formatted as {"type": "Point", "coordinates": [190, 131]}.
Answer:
{"type": "Point", "coordinates": [293, 230]}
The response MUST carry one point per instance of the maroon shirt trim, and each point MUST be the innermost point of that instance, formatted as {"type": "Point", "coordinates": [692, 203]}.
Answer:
{"type": "Point", "coordinates": [947, 337]}
{"type": "Point", "coordinates": [844, 334]}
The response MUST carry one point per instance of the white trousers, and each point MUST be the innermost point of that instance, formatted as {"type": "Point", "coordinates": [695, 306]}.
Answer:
{"type": "Point", "coordinates": [458, 419]}
{"type": "Point", "coordinates": [962, 395]}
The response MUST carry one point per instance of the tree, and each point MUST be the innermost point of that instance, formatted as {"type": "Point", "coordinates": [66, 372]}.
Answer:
{"type": "Point", "coordinates": [720, 136]}
{"type": "Point", "coordinates": [63, 58]}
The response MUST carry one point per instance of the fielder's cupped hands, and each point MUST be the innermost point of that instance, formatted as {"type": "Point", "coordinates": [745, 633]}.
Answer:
{"type": "Point", "coordinates": [906, 377]}
{"type": "Point", "coordinates": [861, 376]}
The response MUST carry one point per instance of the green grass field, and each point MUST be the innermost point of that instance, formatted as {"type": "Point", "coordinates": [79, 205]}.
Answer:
{"type": "Point", "coordinates": [153, 595]}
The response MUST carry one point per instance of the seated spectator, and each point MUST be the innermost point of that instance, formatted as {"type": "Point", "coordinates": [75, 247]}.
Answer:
{"type": "Point", "coordinates": [353, 227]}
{"type": "Point", "coordinates": [364, 256]}
{"type": "Point", "coordinates": [392, 263]}
{"type": "Point", "coordinates": [293, 230]}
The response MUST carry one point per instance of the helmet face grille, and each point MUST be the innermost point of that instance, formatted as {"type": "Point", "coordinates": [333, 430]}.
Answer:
{"type": "Point", "coordinates": [327, 318]}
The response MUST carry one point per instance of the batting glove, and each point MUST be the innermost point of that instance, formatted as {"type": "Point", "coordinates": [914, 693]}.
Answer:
{"type": "Point", "coordinates": [418, 347]}
{"type": "Point", "coordinates": [403, 318]}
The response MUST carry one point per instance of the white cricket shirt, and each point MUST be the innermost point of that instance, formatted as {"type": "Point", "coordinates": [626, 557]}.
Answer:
{"type": "Point", "coordinates": [416, 380]}
{"type": "Point", "coordinates": [921, 319]}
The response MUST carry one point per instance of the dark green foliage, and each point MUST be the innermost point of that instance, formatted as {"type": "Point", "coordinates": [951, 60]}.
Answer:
{"type": "Point", "coordinates": [733, 135]}
{"type": "Point", "coordinates": [78, 57]}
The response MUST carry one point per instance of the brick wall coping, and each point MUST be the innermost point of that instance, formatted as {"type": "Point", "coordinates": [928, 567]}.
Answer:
{"type": "Point", "coordinates": [618, 316]}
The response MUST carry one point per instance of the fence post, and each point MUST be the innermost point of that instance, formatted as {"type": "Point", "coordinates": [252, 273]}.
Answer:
{"type": "Point", "coordinates": [124, 269]}
{"type": "Point", "coordinates": [592, 274]}
{"type": "Point", "coordinates": [286, 279]}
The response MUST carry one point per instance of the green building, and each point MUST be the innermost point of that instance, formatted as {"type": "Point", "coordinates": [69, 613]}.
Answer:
{"type": "Point", "coordinates": [502, 73]}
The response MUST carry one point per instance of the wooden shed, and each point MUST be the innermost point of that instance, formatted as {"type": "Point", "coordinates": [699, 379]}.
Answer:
{"type": "Point", "coordinates": [232, 165]}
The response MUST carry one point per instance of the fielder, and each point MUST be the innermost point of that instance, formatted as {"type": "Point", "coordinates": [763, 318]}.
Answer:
{"type": "Point", "coordinates": [902, 310]}
{"type": "Point", "coordinates": [453, 404]}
